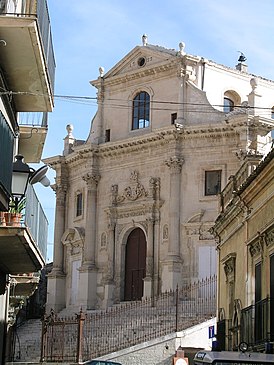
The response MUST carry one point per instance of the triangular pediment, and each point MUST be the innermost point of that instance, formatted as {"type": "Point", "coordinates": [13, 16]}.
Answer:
{"type": "Point", "coordinates": [141, 58]}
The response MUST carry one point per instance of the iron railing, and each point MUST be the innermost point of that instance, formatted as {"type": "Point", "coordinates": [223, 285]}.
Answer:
{"type": "Point", "coordinates": [257, 322]}
{"type": "Point", "coordinates": [37, 119]}
{"type": "Point", "coordinates": [38, 9]}
{"type": "Point", "coordinates": [87, 336]}
{"type": "Point", "coordinates": [33, 218]}
{"type": "Point", "coordinates": [6, 154]}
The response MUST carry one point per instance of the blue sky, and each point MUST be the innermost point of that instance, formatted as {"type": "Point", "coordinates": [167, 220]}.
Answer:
{"type": "Point", "coordinates": [88, 34]}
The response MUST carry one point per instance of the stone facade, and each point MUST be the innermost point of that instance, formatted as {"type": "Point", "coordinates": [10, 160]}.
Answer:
{"type": "Point", "coordinates": [132, 211]}
{"type": "Point", "coordinates": [245, 234]}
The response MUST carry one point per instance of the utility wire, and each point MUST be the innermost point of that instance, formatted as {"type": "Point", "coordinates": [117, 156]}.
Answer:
{"type": "Point", "coordinates": [126, 104]}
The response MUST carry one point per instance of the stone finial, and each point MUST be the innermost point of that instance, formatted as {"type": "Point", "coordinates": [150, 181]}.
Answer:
{"type": "Point", "coordinates": [182, 48]}
{"type": "Point", "coordinates": [144, 39]}
{"type": "Point", "coordinates": [68, 140]}
{"type": "Point", "coordinates": [254, 83]}
{"type": "Point", "coordinates": [101, 71]}
{"type": "Point", "coordinates": [69, 129]}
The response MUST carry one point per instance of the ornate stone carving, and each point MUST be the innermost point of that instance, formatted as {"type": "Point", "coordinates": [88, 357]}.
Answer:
{"type": "Point", "coordinates": [270, 238]}
{"type": "Point", "coordinates": [76, 248]}
{"type": "Point", "coordinates": [175, 164]}
{"type": "Point", "coordinates": [264, 240]}
{"type": "Point", "coordinates": [154, 188]}
{"type": "Point", "coordinates": [91, 179]}
{"type": "Point", "coordinates": [165, 232]}
{"type": "Point", "coordinates": [205, 234]}
{"type": "Point", "coordinates": [73, 238]}
{"type": "Point", "coordinates": [229, 263]}
{"type": "Point", "coordinates": [132, 192]}
{"type": "Point", "coordinates": [103, 240]}
{"type": "Point", "coordinates": [255, 248]}
{"type": "Point", "coordinates": [60, 192]}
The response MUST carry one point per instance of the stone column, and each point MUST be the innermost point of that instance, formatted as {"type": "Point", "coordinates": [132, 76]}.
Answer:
{"type": "Point", "coordinates": [88, 271]}
{"type": "Point", "coordinates": [175, 165]}
{"type": "Point", "coordinates": [56, 279]}
{"type": "Point", "coordinates": [91, 207]}
{"type": "Point", "coordinates": [172, 265]}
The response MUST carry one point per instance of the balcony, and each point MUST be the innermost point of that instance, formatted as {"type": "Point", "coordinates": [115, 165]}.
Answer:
{"type": "Point", "coordinates": [23, 243]}
{"type": "Point", "coordinates": [27, 57]}
{"type": "Point", "coordinates": [236, 181]}
{"type": "Point", "coordinates": [33, 129]}
{"type": "Point", "coordinates": [257, 323]}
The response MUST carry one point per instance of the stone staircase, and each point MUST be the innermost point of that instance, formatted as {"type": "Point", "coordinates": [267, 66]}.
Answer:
{"type": "Point", "coordinates": [28, 341]}
{"type": "Point", "coordinates": [121, 326]}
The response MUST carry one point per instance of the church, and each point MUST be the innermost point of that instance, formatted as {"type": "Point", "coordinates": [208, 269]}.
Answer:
{"type": "Point", "coordinates": [136, 200]}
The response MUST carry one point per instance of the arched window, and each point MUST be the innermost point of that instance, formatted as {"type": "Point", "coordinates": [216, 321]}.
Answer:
{"type": "Point", "coordinates": [228, 105]}
{"type": "Point", "coordinates": [231, 100]}
{"type": "Point", "coordinates": [141, 110]}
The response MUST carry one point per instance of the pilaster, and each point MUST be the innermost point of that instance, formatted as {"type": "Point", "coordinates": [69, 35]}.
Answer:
{"type": "Point", "coordinates": [88, 271]}
{"type": "Point", "coordinates": [57, 279]}
{"type": "Point", "coordinates": [172, 265]}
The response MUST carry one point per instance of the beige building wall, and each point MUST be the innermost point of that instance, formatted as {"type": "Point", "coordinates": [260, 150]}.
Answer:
{"type": "Point", "coordinates": [149, 180]}
{"type": "Point", "coordinates": [245, 231]}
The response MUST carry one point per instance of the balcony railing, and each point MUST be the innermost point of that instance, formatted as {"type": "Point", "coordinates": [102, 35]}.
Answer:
{"type": "Point", "coordinates": [6, 153]}
{"type": "Point", "coordinates": [33, 218]}
{"type": "Point", "coordinates": [237, 180]}
{"type": "Point", "coordinates": [257, 322]}
{"type": "Point", "coordinates": [37, 119]}
{"type": "Point", "coordinates": [38, 9]}
{"type": "Point", "coordinates": [36, 220]}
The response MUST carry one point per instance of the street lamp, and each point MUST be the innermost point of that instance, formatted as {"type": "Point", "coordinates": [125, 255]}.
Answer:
{"type": "Point", "coordinates": [20, 177]}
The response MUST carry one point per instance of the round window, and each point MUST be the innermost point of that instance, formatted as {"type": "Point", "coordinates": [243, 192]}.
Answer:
{"type": "Point", "coordinates": [141, 61]}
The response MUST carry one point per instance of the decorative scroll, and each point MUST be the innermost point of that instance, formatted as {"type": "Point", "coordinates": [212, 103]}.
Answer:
{"type": "Point", "coordinates": [132, 192]}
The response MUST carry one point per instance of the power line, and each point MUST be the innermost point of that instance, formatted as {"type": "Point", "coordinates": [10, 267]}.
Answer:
{"type": "Point", "coordinates": [126, 104]}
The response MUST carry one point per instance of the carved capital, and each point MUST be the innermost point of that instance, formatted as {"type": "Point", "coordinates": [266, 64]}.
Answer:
{"type": "Point", "coordinates": [175, 164]}
{"type": "Point", "coordinates": [91, 179]}
{"type": "Point", "coordinates": [60, 192]}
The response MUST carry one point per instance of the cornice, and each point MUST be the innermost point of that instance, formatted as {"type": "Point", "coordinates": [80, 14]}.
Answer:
{"type": "Point", "coordinates": [137, 74]}
{"type": "Point", "coordinates": [53, 161]}
{"type": "Point", "coordinates": [157, 137]}
{"type": "Point", "coordinates": [160, 138]}
{"type": "Point", "coordinates": [224, 220]}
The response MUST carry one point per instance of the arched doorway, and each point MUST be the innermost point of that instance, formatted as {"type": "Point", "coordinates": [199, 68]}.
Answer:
{"type": "Point", "coordinates": [135, 265]}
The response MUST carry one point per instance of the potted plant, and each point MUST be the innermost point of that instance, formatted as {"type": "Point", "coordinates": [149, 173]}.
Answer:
{"type": "Point", "coordinates": [14, 215]}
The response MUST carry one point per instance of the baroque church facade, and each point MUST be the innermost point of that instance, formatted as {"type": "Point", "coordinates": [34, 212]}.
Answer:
{"type": "Point", "coordinates": [135, 202]}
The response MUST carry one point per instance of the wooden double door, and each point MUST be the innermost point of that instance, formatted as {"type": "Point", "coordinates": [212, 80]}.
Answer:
{"type": "Point", "coordinates": [135, 265]}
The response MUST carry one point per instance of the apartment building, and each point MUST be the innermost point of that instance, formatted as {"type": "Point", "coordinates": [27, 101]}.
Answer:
{"type": "Point", "coordinates": [27, 68]}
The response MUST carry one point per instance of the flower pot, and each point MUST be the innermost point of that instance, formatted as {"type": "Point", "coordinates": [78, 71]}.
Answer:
{"type": "Point", "coordinates": [2, 219]}
{"type": "Point", "coordinates": [13, 219]}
